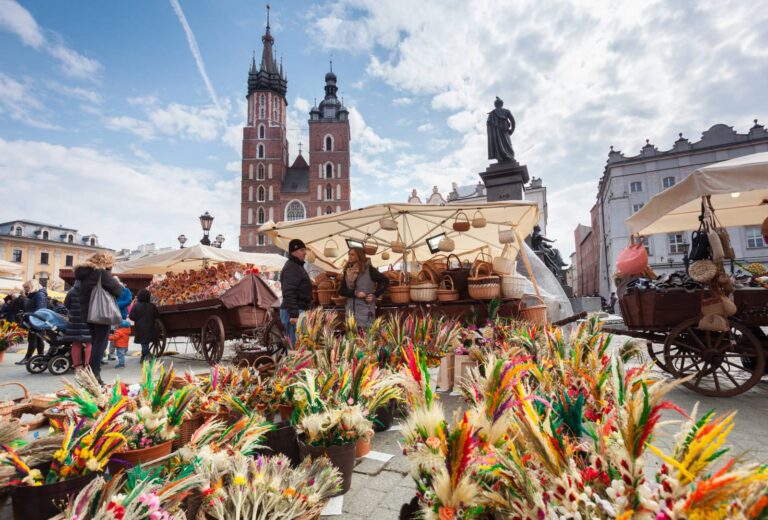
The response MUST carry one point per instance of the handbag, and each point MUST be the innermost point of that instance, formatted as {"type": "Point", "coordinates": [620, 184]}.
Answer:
{"type": "Point", "coordinates": [700, 241]}
{"type": "Point", "coordinates": [633, 259]}
{"type": "Point", "coordinates": [459, 276]}
{"type": "Point", "coordinates": [715, 245]}
{"type": "Point", "coordinates": [102, 309]}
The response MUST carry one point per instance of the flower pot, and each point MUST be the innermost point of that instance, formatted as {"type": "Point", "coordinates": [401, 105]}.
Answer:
{"type": "Point", "coordinates": [385, 415]}
{"type": "Point", "coordinates": [130, 458]}
{"type": "Point", "coordinates": [362, 448]}
{"type": "Point", "coordinates": [41, 502]}
{"type": "Point", "coordinates": [282, 440]}
{"type": "Point", "coordinates": [2, 355]}
{"type": "Point", "coordinates": [286, 411]}
{"type": "Point", "coordinates": [343, 457]}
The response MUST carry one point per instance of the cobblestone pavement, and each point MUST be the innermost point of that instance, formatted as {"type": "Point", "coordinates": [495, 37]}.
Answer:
{"type": "Point", "coordinates": [380, 489]}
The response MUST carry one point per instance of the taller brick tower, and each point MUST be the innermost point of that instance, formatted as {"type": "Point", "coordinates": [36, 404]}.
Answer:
{"type": "Point", "coordinates": [329, 153]}
{"type": "Point", "coordinates": [265, 148]}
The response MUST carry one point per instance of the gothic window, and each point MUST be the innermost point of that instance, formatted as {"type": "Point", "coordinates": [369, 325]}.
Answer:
{"type": "Point", "coordinates": [329, 171]}
{"type": "Point", "coordinates": [93, 241]}
{"type": "Point", "coordinates": [250, 171]}
{"type": "Point", "coordinates": [329, 192]}
{"type": "Point", "coordinates": [250, 238]}
{"type": "Point", "coordinates": [18, 231]}
{"type": "Point", "coordinates": [261, 132]}
{"type": "Point", "coordinates": [262, 106]}
{"type": "Point", "coordinates": [261, 239]}
{"type": "Point", "coordinates": [294, 211]}
{"type": "Point", "coordinates": [260, 216]}
{"type": "Point", "coordinates": [70, 238]}
{"type": "Point", "coordinates": [274, 109]}
{"type": "Point", "coordinates": [250, 215]}
{"type": "Point", "coordinates": [250, 193]}
{"type": "Point", "coordinates": [260, 194]}
{"type": "Point", "coordinates": [328, 210]}
{"type": "Point", "coordinates": [45, 235]}
{"type": "Point", "coordinates": [277, 111]}
{"type": "Point", "coordinates": [260, 151]}
{"type": "Point", "coordinates": [328, 143]}
{"type": "Point", "coordinates": [260, 173]}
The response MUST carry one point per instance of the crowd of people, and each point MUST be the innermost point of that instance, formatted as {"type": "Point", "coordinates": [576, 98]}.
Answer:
{"type": "Point", "coordinates": [93, 344]}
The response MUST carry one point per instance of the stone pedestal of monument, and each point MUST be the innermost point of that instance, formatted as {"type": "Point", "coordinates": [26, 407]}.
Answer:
{"type": "Point", "coordinates": [505, 181]}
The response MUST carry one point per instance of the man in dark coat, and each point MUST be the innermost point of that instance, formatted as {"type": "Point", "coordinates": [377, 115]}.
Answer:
{"type": "Point", "coordinates": [16, 308]}
{"type": "Point", "coordinates": [296, 287]}
{"type": "Point", "coordinates": [143, 315]}
{"type": "Point", "coordinates": [98, 266]}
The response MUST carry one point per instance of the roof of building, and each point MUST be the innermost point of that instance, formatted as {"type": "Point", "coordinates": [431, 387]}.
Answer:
{"type": "Point", "coordinates": [33, 230]}
{"type": "Point", "coordinates": [296, 178]}
{"type": "Point", "coordinates": [35, 223]}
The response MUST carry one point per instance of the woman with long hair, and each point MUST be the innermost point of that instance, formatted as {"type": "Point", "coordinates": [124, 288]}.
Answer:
{"type": "Point", "coordinates": [361, 283]}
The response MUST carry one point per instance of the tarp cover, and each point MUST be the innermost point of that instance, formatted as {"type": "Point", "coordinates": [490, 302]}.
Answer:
{"type": "Point", "coordinates": [251, 290]}
{"type": "Point", "coordinates": [416, 223]}
{"type": "Point", "coordinates": [11, 268]}
{"type": "Point", "coordinates": [196, 257]}
{"type": "Point", "coordinates": [737, 187]}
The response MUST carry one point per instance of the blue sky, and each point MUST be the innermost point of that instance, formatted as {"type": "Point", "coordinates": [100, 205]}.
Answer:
{"type": "Point", "coordinates": [107, 124]}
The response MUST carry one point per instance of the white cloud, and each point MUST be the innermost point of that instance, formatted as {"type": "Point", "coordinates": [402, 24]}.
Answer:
{"type": "Point", "coordinates": [192, 41]}
{"type": "Point", "coordinates": [19, 103]}
{"type": "Point", "coordinates": [234, 166]}
{"type": "Point", "coordinates": [127, 203]}
{"type": "Point", "coordinates": [365, 139]}
{"type": "Point", "coordinates": [426, 127]}
{"type": "Point", "coordinates": [578, 76]}
{"type": "Point", "coordinates": [16, 19]}
{"type": "Point", "coordinates": [196, 123]}
{"type": "Point", "coordinates": [141, 154]}
{"type": "Point", "coordinates": [83, 94]}
{"type": "Point", "coordinates": [136, 126]}
{"type": "Point", "coordinates": [142, 100]}
{"type": "Point", "coordinates": [402, 101]}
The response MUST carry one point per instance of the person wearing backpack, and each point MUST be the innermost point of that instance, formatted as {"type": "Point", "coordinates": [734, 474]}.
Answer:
{"type": "Point", "coordinates": [97, 267]}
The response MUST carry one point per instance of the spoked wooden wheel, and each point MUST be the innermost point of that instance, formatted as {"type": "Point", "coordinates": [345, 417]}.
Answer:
{"type": "Point", "coordinates": [194, 339]}
{"type": "Point", "coordinates": [656, 353]}
{"type": "Point", "coordinates": [157, 347]}
{"type": "Point", "coordinates": [212, 340]}
{"type": "Point", "coordinates": [274, 340]}
{"type": "Point", "coordinates": [714, 359]}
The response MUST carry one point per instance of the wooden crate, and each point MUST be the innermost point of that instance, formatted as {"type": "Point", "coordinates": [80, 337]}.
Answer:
{"type": "Point", "coordinates": [752, 306]}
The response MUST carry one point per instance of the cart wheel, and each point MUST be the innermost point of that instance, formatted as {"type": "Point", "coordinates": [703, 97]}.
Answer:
{"type": "Point", "coordinates": [714, 359]}
{"type": "Point", "coordinates": [656, 353]}
{"type": "Point", "coordinates": [274, 341]}
{"type": "Point", "coordinates": [194, 339]}
{"type": "Point", "coordinates": [59, 365]}
{"type": "Point", "coordinates": [157, 347]}
{"type": "Point", "coordinates": [37, 364]}
{"type": "Point", "coordinates": [212, 340]}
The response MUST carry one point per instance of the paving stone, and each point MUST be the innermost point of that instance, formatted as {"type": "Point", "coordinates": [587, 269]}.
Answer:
{"type": "Point", "coordinates": [370, 466]}
{"type": "Point", "coordinates": [398, 496]}
{"type": "Point", "coordinates": [364, 502]}
{"type": "Point", "coordinates": [385, 514]}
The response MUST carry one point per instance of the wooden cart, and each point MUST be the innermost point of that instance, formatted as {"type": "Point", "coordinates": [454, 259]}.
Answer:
{"type": "Point", "coordinates": [246, 311]}
{"type": "Point", "coordinates": [719, 364]}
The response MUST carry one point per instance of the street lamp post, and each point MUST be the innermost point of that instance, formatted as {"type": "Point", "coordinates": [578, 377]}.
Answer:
{"type": "Point", "coordinates": [206, 220]}
{"type": "Point", "coordinates": [182, 240]}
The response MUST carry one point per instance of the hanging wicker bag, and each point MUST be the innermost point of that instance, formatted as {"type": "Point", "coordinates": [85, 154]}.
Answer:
{"type": "Point", "coordinates": [370, 246]}
{"type": "Point", "coordinates": [536, 313]}
{"type": "Point", "coordinates": [478, 220]}
{"type": "Point", "coordinates": [311, 256]}
{"type": "Point", "coordinates": [512, 286]}
{"type": "Point", "coordinates": [446, 245]}
{"type": "Point", "coordinates": [507, 236]}
{"type": "Point", "coordinates": [503, 264]}
{"type": "Point", "coordinates": [482, 284]}
{"type": "Point", "coordinates": [463, 224]}
{"type": "Point", "coordinates": [331, 248]}
{"type": "Point", "coordinates": [447, 292]}
{"type": "Point", "coordinates": [424, 289]}
{"type": "Point", "coordinates": [388, 224]}
{"type": "Point", "coordinates": [385, 255]}
{"type": "Point", "coordinates": [397, 246]}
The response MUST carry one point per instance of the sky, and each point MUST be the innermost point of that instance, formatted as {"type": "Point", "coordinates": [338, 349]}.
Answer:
{"type": "Point", "coordinates": [124, 119]}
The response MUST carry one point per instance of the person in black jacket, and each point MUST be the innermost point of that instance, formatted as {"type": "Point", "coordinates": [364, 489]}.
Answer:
{"type": "Point", "coordinates": [16, 308]}
{"type": "Point", "coordinates": [362, 283]}
{"type": "Point", "coordinates": [37, 298]}
{"type": "Point", "coordinates": [98, 266]}
{"type": "Point", "coordinates": [77, 330]}
{"type": "Point", "coordinates": [296, 287]}
{"type": "Point", "coordinates": [143, 315]}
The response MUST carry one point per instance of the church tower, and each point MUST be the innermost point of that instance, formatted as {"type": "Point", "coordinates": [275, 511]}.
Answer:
{"type": "Point", "coordinates": [329, 153]}
{"type": "Point", "coordinates": [265, 148]}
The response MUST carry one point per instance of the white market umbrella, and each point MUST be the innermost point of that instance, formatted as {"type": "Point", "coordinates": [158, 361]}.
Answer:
{"type": "Point", "coordinates": [196, 257]}
{"type": "Point", "coordinates": [738, 189]}
{"type": "Point", "coordinates": [10, 268]}
{"type": "Point", "coordinates": [10, 284]}
{"type": "Point", "coordinates": [416, 224]}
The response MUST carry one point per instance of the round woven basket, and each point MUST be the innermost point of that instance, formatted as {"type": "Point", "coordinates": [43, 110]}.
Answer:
{"type": "Point", "coordinates": [447, 292]}
{"type": "Point", "coordinates": [483, 285]}
{"type": "Point", "coordinates": [424, 289]}
{"type": "Point", "coordinates": [339, 301]}
{"type": "Point", "coordinates": [325, 296]}
{"type": "Point", "coordinates": [533, 313]}
{"type": "Point", "coordinates": [400, 295]}
{"type": "Point", "coordinates": [512, 286]}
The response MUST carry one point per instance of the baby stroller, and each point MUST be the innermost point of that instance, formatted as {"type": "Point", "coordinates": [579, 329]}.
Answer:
{"type": "Point", "coordinates": [51, 328]}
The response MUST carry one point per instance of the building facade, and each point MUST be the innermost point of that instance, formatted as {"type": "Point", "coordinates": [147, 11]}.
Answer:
{"type": "Point", "coordinates": [273, 190]}
{"type": "Point", "coordinates": [628, 183]}
{"type": "Point", "coordinates": [43, 249]}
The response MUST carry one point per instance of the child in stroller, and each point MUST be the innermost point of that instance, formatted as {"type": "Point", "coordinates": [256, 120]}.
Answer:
{"type": "Point", "coordinates": [51, 328]}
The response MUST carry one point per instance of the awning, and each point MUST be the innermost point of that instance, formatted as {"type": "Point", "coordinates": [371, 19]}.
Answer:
{"type": "Point", "coordinates": [10, 268]}
{"type": "Point", "coordinates": [738, 188]}
{"type": "Point", "coordinates": [416, 224]}
{"type": "Point", "coordinates": [196, 257]}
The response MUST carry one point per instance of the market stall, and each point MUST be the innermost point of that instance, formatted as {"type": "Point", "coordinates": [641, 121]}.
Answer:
{"type": "Point", "coordinates": [438, 256]}
{"type": "Point", "coordinates": [704, 324]}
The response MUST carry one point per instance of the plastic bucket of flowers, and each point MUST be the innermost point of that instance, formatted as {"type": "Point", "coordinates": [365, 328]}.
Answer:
{"type": "Point", "coordinates": [130, 458]}
{"type": "Point", "coordinates": [42, 502]}
{"type": "Point", "coordinates": [282, 440]}
{"type": "Point", "coordinates": [342, 457]}
{"type": "Point", "coordinates": [384, 416]}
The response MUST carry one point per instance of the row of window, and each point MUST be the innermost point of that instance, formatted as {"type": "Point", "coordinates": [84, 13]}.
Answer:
{"type": "Point", "coordinates": [637, 186]}
{"type": "Point", "coordinates": [17, 256]}
{"type": "Point", "coordinates": [263, 108]}
{"type": "Point", "coordinates": [45, 235]}
{"type": "Point", "coordinates": [677, 243]}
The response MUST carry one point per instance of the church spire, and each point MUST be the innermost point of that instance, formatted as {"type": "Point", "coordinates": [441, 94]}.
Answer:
{"type": "Point", "coordinates": [267, 55]}
{"type": "Point", "coordinates": [270, 75]}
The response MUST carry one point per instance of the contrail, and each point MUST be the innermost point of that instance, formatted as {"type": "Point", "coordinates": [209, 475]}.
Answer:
{"type": "Point", "coordinates": [195, 51]}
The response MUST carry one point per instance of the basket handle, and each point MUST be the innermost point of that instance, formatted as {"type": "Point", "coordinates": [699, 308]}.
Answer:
{"type": "Point", "coordinates": [445, 281]}
{"type": "Point", "coordinates": [24, 388]}
{"type": "Point", "coordinates": [426, 275]}
{"type": "Point", "coordinates": [478, 213]}
{"type": "Point", "coordinates": [457, 260]}
{"type": "Point", "coordinates": [479, 268]}
{"type": "Point", "coordinates": [481, 257]}
{"type": "Point", "coordinates": [461, 214]}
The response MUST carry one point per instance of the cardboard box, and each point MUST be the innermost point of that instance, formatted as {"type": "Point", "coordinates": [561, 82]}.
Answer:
{"type": "Point", "coordinates": [445, 376]}
{"type": "Point", "coordinates": [461, 366]}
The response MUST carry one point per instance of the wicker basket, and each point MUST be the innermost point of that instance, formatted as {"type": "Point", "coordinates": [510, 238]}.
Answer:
{"type": "Point", "coordinates": [6, 407]}
{"type": "Point", "coordinates": [512, 286]}
{"type": "Point", "coordinates": [43, 402]}
{"type": "Point", "coordinates": [400, 294]}
{"type": "Point", "coordinates": [438, 264]}
{"type": "Point", "coordinates": [370, 246]}
{"type": "Point", "coordinates": [482, 284]}
{"type": "Point", "coordinates": [533, 313]}
{"type": "Point", "coordinates": [325, 296]}
{"type": "Point", "coordinates": [424, 289]}
{"type": "Point", "coordinates": [503, 264]}
{"type": "Point", "coordinates": [339, 301]}
{"type": "Point", "coordinates": [388, 224]}
{"type": "Point", "coordinates": [186, 429]}
{"type": "Point", "coordinates": [478, 220]}
{"type": "Point", "coordinates": [447, 292]}
{"type": "Point", "coordinates": [463, 224]}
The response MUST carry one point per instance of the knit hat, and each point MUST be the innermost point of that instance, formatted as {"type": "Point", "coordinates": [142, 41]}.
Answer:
{"type": "Point", "coordinates": [295, 245]}
{"type": "Point", "coordinates": [125, 323]}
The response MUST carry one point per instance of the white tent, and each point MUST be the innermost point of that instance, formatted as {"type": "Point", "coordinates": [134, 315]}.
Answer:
{"type": "Point", "coordinates": [196, 257]}
{"type": "Point", "coordinates": [738, 190]}
{"type": "Point", "coordinates": [416, 224]}
{"type": "Point", "coordinates": [10, 268]}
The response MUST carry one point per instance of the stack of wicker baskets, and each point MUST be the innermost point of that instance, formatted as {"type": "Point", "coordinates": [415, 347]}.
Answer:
{"type": "Point", "coordinates": [482, 283]}
{"type": "Point", "coordinates": [447, 292]}
{"type": "Point", "coordinates": [399, 292]}
{"type": "Point", "coordinates": [424, 288]}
